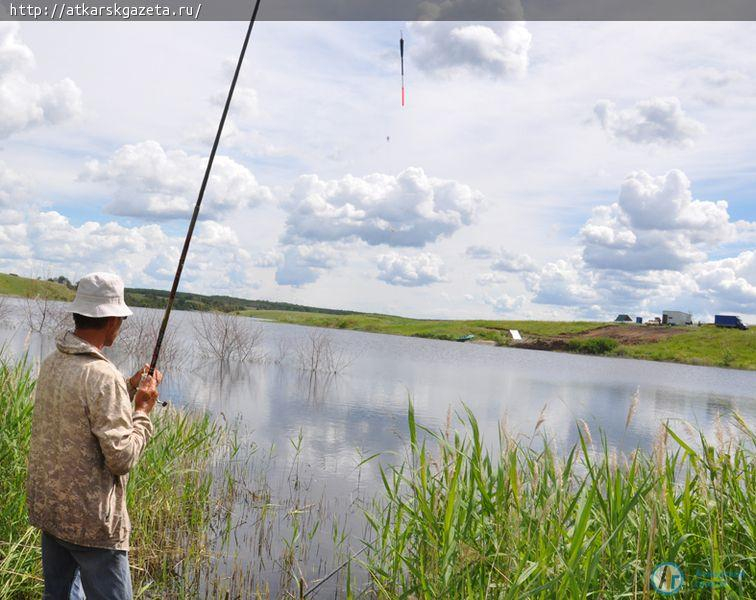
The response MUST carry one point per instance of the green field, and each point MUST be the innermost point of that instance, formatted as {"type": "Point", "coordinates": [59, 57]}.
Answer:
{"type": "Point", "coordinates": [705, 345]}
{"type": "Point", "coordinates": [12, 285]}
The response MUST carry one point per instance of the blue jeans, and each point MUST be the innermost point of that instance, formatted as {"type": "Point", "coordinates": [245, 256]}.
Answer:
{"type": "Point", "coordinates": [67, 568]}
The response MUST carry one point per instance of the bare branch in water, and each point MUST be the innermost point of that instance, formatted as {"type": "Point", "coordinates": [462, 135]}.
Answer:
{"type": "Point", "coordinates": [138, 336]}
{"type": "Point", "coordinates": [6, 309]}
{"type": "Point", "coordinates": [317, 354]}
{"type": "Point", "coordinates": [46, 316]}
{"type": "Point", "coordinates": [226, 337]}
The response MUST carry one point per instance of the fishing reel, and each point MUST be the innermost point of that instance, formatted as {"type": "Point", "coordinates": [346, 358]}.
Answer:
{"type": "Point", "coordinates": [158, 401]}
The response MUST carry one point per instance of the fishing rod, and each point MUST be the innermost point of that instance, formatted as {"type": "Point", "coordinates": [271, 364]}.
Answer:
{"type": "Point", "coordinates": [193, 222]}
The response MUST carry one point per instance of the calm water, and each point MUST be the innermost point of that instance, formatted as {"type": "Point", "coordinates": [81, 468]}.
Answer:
{"type": "Point", "coordinates": [363, 410]}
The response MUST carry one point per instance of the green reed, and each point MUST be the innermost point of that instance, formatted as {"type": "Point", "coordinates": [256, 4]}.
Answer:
{"type": "Point", "coordinates": [20, 567]}
{"type": "Point", "coordinates": [459, 522]}
{"type": "Point", "coordinates": [174, 501]}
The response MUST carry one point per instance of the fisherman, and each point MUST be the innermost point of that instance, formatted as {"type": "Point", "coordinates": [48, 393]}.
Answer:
{"type": "Point", "coordinates": [86, 437]}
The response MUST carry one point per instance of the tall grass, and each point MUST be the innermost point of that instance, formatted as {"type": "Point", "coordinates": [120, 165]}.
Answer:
{"type": "Point", "coordinates": [454, 521]}
{"type": "Point", "coordinates": [20, 567]}
{"type": "Point", "coordinates": [460, 522]}
{"type": "Point", "coordinates": [177, 503]}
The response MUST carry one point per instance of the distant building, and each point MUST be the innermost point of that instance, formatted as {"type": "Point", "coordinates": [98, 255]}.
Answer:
{"type": "Point", "coordinates": [676, 317]}
{"type": "Point", "coordinates": [639, 320]}
{"type": "Point", "coordinates": [623, 319]}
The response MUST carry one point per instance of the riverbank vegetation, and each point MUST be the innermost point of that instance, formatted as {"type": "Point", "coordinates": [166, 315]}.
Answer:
{"type": "Point", "coordinates": [697, 345]}
{"type": "Point", "coordinates": [454, 519]}
{"type": "Point", "coordinates": [147, 298]}
{"type": "Point", "coordinates": [179, 504]}
{"type": "Point", "coordinates": [460, 522]}
{"type": "Point", "coordinates": [705, 345]}
{"type": "Point", "coordinates": [492, 330]}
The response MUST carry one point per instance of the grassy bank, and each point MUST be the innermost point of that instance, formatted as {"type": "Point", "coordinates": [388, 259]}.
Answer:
{"type": "Point", "coordinates": [705, 345]}
{"type": "Point", "coordinates": [458, 522]}
{"type": "Point", "coordinates": [12, 285]}
{"type": "Point", "coordinates": [495, 331]}
{"type": "Point", "coordinates": [175, 503]}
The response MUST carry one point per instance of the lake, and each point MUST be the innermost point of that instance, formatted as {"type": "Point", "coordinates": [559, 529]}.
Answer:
{"type": "Point", "coordinates": [307, 431]}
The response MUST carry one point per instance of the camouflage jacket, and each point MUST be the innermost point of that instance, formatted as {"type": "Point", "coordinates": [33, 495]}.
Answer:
{"type": "Point", "coordinates": [85, 439]}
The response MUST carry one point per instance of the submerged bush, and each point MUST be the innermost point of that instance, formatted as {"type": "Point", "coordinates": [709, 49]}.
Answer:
{"type": "Point", "coordinates": [460, 522]}
{"type": "Point", "coordinates": [597, 345]}
{"type": "Point", "coordinates": [319, 354]}
{"type": "Point", "coordinates": [224, 337]}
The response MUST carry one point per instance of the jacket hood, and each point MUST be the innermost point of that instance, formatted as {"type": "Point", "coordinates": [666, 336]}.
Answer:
{"type": "Point", "coordinates": [69, 343]}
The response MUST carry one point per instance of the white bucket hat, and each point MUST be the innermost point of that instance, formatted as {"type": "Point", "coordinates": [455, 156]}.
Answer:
{"type": "Point", "coordinates": [100, 295]}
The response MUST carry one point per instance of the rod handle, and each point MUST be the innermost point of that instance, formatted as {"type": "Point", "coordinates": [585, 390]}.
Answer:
{"type": "Point", "coordinates": [147, 373]}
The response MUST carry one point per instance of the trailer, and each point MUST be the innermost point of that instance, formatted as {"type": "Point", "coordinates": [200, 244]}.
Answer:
{"type": "Point", "coordinates": [729, 321]}
{"type": "Point", "coordinates": [676, 317]}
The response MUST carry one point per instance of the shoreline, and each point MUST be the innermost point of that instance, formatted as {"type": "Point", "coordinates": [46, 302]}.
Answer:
{"type": "Point", "coordinates": [704, 345]}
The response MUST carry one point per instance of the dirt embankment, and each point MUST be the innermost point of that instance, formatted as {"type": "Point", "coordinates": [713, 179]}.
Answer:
{"type": "Point", "coordinates": [624, 334]}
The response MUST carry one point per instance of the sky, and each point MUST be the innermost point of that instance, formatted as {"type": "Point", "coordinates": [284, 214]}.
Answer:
{"type": "Point", "coordinates": [549, 170]}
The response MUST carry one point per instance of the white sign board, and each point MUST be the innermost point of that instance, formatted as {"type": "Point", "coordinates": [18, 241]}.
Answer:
{"type": "Point", "coordinates": [515, 334]}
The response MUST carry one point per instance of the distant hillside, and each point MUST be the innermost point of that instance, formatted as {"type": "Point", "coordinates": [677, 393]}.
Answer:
{"type": "Point", "coordinates": [13, 285]}
{"type": "Point", "coordinates": [185, 301]}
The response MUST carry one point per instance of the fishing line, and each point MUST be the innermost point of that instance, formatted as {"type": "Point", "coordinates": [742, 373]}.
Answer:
{"type": "Point", "coordinates": [193, 222]}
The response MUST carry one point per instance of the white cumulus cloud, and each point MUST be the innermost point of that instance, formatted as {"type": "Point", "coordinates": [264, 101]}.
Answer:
{"type": "Point", "coordinates": [245, 102]}
{"type": "Point", "coordinates": [301, 264]}
{"type": "Point", "coordinates": [654, 225]}
{"type": "Point", "coordinates": [512, 262]}
{"type": "Point", "coordinates": [652, 121]}
{"type": "Point", "coordinates": [564, 282]}
{"type": "Point", "coordinates": [494, 49]}
{"type": "Point", "coordinates": [410, 271]}
{"type": "Point", "coordinates": [149, 181]}
{"type": "Point", "coordinates": [488, 279]}
{"type": "Point", "coordinates": [11, 186]}
{"type": "Point", "coordinates": [729, 282]}
{"type": "Point", "coordinates": [143, 255]}
{"type": "Point", "coordinates": [505, 303]}
{"type": "Point", "coordinates": [502, 259]}
{"type": "Point", "coordinates": [649, 251]}
{"type": "Point", "coordinates": [24, 103]}
{"type": "Point", "coordinates": [480, 251]}
{"type": "Point", "coordinates": [409, 209]}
